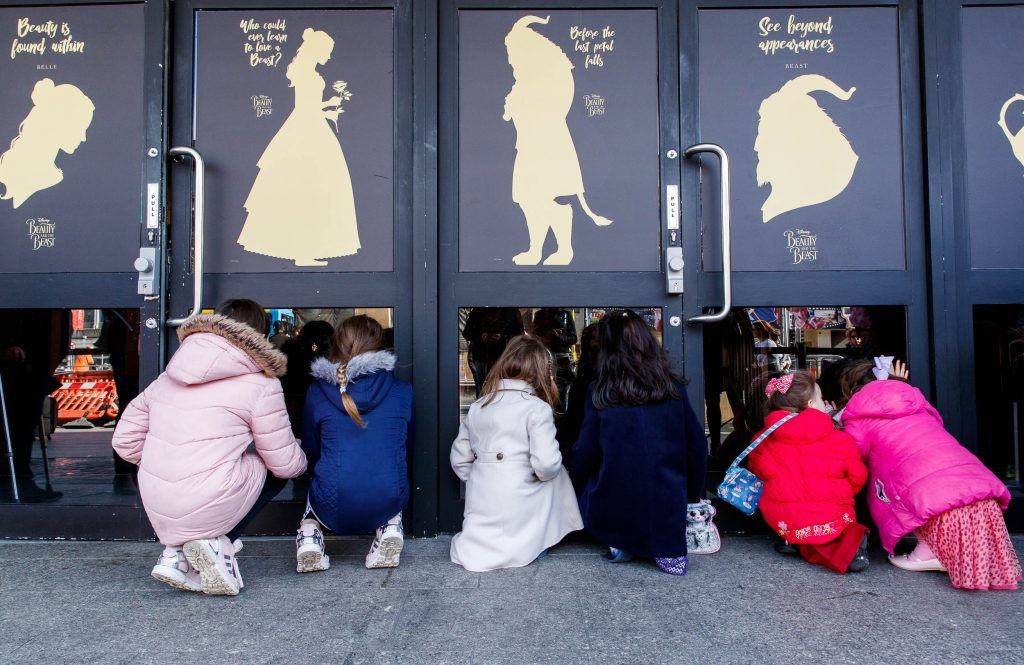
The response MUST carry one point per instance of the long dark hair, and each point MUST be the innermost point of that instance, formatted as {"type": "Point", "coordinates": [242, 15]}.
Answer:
{"type": "Point", "coordinates": [632, 368]}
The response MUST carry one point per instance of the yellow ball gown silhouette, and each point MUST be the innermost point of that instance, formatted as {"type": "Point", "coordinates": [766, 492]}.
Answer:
{"type": "Point", "coordinates": [301, 206]}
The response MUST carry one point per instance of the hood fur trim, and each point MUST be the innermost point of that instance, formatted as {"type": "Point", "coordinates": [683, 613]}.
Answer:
{"type": "Point", "coordinates": [256, 346]}
{"type": "Point", "coordinates": [362, 365]}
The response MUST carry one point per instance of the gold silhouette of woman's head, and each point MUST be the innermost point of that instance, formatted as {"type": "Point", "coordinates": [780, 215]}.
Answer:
{"type": "Point", "coordinates": [317, 44]}
{"type": "Point", "coordinates": [59, 119]}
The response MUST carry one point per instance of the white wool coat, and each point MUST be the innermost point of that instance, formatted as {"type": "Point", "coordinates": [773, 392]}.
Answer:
{"type": "Point", "coordinates": [519, 499]}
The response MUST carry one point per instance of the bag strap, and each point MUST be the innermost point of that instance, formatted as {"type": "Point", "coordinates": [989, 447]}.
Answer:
{"type": "Point", "coordinates": [764, 435]}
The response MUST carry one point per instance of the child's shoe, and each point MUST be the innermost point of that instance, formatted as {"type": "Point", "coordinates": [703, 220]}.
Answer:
{"type": "Point", "coordinates": [615, 555]}
{"type": "Point", "coordinates": [214, 558]}
{"type": "Point", "coordinates": [309, 548]}
{"type": "Point", "coordinates": [674, 565]}
{"type": "Point", "coordinates": [173, 568]}
{"type": "Point", "coordinates": [860, 559]}
{"type": "Point", "coordinates": [386, 549]}
{"type": "Point", "coordinates": [784, 547]}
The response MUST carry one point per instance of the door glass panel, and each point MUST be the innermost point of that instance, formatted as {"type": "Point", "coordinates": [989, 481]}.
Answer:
{"type": "Point", "coordinates": [570, 333]}
{"type": "Point", "coordinates": [294, 114]}
{"type": "Point", "coordinates": [999, 386]}
{"type": "Point", "coordinates": [744, 351]}
{"type": "Point", "coordinates": [558, 140]}
{"type": "Point", "coordinates": [66, 374]}
{"type": "Point", "coordinates": [72, 142]}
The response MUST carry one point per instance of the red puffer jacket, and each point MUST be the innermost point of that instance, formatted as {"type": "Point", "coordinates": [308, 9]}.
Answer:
{"type": "Point", "coordinates": [811, 473]}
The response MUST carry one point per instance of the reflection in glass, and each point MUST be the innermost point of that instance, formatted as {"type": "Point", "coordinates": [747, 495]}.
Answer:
{"type": "Point", "coordinates": [568, 333]}
{"type": "Point", "coordinates": [999, 386]}
{"type": "Point", "coordinates": [754, 343]}
{"type": "Point", "coordinates": [65, 374]}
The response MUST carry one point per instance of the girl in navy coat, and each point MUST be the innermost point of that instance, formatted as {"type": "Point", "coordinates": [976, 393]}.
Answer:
{"type": "Point", "coordinates": [356, 424]}
{"type": "Point", "coordinates": [641, 454]}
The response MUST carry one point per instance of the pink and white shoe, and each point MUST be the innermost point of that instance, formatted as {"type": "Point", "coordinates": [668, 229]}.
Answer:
{"type": "Point", "coordinates": [172, 568]}
{"type": "Point", "coordinates": [912, 563]}
{"type": "Point", "coordinates": [386, 549]}
{"type": "Point", "coordinates": [214, 558]}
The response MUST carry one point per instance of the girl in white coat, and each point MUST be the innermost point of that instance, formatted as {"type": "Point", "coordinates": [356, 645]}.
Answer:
{"type": "Point", "coordinates": [519, 499]}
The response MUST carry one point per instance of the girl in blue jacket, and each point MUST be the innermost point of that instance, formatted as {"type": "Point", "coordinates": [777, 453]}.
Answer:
{"type": "Point", "coordinates": [641, 453]}
{"type": "Point", "coordinates": [356, 425]}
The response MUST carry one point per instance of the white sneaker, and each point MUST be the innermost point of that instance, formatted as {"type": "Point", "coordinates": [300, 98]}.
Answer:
{"type": "Point", "coordinates": [309, 548]}
{"type": "Point", "coordinates": [174, 569]}
{"type": "Point", "coordinates": [214, 558]}
{"type": "Point", "coordinates": [386, 549]}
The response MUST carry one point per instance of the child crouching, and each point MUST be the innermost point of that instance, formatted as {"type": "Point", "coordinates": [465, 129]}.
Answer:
{"type": "Point", "coordinates": [519, 499]}
{"type": "Point", "coordinates": [356, 424]}
{"type": "Point", "coordinates": [811, 473]}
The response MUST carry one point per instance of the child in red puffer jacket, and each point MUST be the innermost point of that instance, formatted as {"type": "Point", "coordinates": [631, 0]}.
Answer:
{"type": "Point", "coordinates": [811, 473]}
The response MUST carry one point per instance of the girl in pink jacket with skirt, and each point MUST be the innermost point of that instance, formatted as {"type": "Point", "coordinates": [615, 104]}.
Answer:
{"type": "Point", "coordinates": [189, 432]}
{"type": "Point", "coordinates": [923, 481]}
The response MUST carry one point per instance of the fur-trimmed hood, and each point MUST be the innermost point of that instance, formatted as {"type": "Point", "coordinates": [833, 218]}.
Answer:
{"type": "Point", "coordinates": [362, 365]}
{"type": "Point", "coordinates": [216, 347]}
{"type": "Point", "coordinates": [369, 376]}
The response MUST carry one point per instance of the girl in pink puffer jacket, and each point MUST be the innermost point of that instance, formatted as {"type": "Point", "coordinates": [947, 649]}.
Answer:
{"type": "Point", "coordinates": [189, 431]}
{"type": "Point", "coordinates": [923, 481]}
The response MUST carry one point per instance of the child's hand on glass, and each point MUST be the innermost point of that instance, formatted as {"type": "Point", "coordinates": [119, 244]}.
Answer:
{"type": "Point", "coordinates": [900, 370]}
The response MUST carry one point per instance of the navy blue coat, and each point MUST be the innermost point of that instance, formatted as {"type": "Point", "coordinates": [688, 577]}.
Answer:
{"type": "Point", "coordinates": [635, 468]}
{"type": "Point", "coordinates": [360, 477]}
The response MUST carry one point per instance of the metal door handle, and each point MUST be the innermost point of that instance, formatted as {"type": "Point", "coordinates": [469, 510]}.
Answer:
{"type": "Point", "coordinates": [723, 159]}
{"type": "Point", "coordinates": [178, 154]}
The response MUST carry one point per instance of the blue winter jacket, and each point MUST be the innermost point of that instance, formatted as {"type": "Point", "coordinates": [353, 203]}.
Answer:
{"type": "Point", "coordinates": [360, 478]}
{"type": "Point", "coordinates": [635, 468]}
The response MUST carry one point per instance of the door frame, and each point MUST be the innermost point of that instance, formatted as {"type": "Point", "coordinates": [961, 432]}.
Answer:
{"type": "Point", "coordinates": [534, 289]}
{"type": "Point", "coordinates": [397, 289]}
{"type": "Point", "coordinates": [114, 290]}
{"type": "Point", "coordinates": [907, 288]}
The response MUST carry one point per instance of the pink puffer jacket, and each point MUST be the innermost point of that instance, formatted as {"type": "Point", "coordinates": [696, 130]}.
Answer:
{"type": "Point", "coordinates": [917, 469]}
{"type": "Point", "coordinates": [189, 430]}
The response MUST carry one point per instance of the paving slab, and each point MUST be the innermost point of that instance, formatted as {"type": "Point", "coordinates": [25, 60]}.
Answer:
{"type": "Point", "coordinates": [87, 602]}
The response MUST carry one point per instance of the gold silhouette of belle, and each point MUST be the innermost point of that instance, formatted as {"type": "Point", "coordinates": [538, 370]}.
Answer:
{"type": "Point", "coordinates": [546, 165]}
{"type": "Point", "coordinates": [301, 206]}
{"type": "Point", "coordinates": [59, 119]}
{"type": "Point", "coordinates": [1016, 140]}
{"type": "Point", "coordinates": [801, 153]}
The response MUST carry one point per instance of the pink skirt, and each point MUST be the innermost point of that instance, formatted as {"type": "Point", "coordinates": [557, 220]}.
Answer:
{"type": "Point", "coordinates": [973, 544]}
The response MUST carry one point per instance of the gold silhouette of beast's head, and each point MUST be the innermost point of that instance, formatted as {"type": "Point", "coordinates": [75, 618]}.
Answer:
{"type": "Point", "coordinates": [801, 152]}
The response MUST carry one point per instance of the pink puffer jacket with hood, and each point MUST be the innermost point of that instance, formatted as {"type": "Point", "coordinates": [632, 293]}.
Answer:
{"type": "Point", "coordinates": [189, 430]}
{"type": "Point", "coordinates": [917, 469]}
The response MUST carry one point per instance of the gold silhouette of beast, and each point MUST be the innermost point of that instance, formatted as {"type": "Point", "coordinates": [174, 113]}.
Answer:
{"type": "Point", "coordinates": [801, 153]}
{"type": "Point", "coordinates": [1016, 140]}
{"type": "Point", "coordinates": [58, 121]}
{"type": "Point", "coordinates": [546, 165]}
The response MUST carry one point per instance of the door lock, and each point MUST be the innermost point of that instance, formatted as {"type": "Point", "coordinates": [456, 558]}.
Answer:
{"type": "Point", "coordinates": [147, 267]}
{"type": "Point", "coordinates": [674, 265]}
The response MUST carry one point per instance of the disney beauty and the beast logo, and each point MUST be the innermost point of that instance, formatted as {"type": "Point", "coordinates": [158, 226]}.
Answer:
{"type": "Point", "coordinates": [41, 232]}
{"type": "Point", "coordinates": [802, 245]}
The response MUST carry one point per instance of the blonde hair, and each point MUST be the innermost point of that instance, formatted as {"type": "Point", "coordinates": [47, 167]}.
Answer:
{"type": "Point", "coordinates": [355, 336]}
{"type": "Point", "coordinates": [524, 359]}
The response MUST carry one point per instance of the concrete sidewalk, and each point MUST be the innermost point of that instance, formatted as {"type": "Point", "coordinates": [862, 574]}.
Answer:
{"type": "Point", "coordinates": [74, 602]}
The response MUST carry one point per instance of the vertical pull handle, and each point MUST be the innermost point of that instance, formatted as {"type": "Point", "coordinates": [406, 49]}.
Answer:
{"type": "Point", "coordinates": [178, 154]}
{"type": "Point", "coordinates": [723, 159]}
